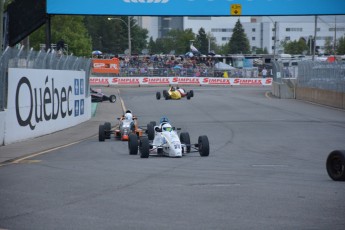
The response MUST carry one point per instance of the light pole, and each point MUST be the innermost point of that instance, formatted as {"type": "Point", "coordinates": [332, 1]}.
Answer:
{"type": "Point", "coordinates": [275, 37]}
{"type": "Point", "coordinates": [128, 24]}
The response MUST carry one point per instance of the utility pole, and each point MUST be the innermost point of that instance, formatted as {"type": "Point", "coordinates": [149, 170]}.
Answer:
{"type": "Point", "coordinates": [315, 29]}
{"type": "Point", "coordinates": [1, 25]}
{"type": "Point", "coordinates": [335, 35]}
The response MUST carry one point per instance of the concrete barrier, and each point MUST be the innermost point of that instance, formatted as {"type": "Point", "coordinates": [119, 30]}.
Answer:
{"type": "Point", "coordinates": [2, 127]}
{"type": "Point", "coordinates": [320, 96]}
{"type": "Point", "coordinates": [283, 91]}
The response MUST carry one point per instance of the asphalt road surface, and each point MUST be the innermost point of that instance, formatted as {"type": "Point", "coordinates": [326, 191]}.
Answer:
{"type": "Point", "coordinates": [266, 170]}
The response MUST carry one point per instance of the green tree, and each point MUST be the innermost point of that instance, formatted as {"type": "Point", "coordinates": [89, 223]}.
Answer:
{"type": "Point", "coordinates": [201, 42]}
{"type": "Point", "coordinates": [239, 42]}
{"type": "Point", "coordinates": [328, 46]}
{"type": "Point", "coordinates": [176, 40]}
{"type": "Point", "coordinates": [71, 29]}
{"type": "Point", "coordinates": [341, 46]}
{"type": "Point", "coordinates": [296, 47]}
{"type": "Point", "coordinates": [111, 36]}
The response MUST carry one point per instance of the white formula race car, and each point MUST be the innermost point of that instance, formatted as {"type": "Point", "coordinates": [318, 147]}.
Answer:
{"type": "Point", "coordinates": [163, 140]}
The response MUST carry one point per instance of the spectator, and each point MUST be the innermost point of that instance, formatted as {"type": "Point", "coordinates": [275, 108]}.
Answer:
{"type": "Point", "coordinates": [264, 72]}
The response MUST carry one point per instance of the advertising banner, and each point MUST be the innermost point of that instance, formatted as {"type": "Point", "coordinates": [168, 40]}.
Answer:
{"type": "Point", "coordinates": [44, 101]}
{"type": "Point", "coordinates": [136, 81]}
{"type": "Point", "coordinates": [105, 66]}
{"type": "Point", "coordinates": [196, 8]}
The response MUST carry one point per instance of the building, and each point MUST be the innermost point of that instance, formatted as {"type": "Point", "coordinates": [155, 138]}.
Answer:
{"type": "Point", "coordinates": [262, 32]}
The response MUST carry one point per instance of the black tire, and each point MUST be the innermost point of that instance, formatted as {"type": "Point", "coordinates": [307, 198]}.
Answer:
{"type": "Point", "coordinates": [150, 131]}
{"type": "Point", "coordinates": [335, 165]}
{"type": "Point", "coordinates": [188, 96]}
{"type": "Point", "coordinates": [144, 147]}
{"type": "Point", "coordinates": [133, 144]}
{"type": "Point", "coordinates": [107, 128]}
{"type": "Point", "coordinates": [101, 133]}
{"type": "Point", "coordinates": [204, 146]}
{"type": "Point", "coordinates": [158, 95]}
{"type": "Point", "coordinates": [185, 139]}
{"type": "Point", "coordinates": [191, 93]}
{"type": "Point", "coordinates": [153, 123]}
{"type": "Point", "coordinates": [112, 98]}
{"type": "Point", "coordinates": [165, 94]}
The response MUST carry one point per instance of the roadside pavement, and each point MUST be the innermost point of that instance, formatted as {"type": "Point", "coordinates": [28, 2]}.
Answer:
{"type": "Point", "coordinates": [105, 111]}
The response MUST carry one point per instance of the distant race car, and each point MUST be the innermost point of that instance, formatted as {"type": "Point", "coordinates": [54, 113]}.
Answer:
{"type": "Point", "coordinates": [163, 140]}
{"type": "Point", "coordinates": [175, 93]}
{"type": "Point", "coordinates": [127, 125]}
{"type": "Point", "coordinates": [98, 96]}
{"type": "Point", "coordinates": [335, 165]}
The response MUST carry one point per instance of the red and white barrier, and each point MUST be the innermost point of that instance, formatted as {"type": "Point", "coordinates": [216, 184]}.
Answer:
{"type": "Point", "coordinates": [136, 81]}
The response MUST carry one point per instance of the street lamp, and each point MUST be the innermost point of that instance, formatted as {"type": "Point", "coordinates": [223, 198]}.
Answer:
{"type": "Point", "coordinates": [128, 24]}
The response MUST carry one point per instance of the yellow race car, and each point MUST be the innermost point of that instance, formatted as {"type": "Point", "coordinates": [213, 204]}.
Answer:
{"type": "Point", "coordinates": [175, 93]}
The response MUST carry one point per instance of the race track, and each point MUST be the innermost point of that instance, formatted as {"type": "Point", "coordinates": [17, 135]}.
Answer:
{"type": "Point", "coordinates": [266, 170]}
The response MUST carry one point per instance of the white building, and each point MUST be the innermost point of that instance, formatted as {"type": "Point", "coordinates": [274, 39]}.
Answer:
{"type": "Point", "coordinates": [260, 30]}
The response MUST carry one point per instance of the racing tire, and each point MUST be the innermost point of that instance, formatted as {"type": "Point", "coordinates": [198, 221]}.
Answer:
{"type": "Point", "coordinates": [101, 133]}
{"type": "Point", "coordinates": [112, 98]}
{"type": "Point", "coordinates": [188, 96]}
{"type": "Point", "coordinates": [107, 128]}
{"type": "Point", "coordinates": [150, 131]}
{"type": "Point", "coordinates": [165, 94]}
{"type": "Point", "coordinates": [144, 147]}
{"type": "Point", "coordinates": [133, 144]}
{"type": "Point", "coordinates": [153, 123]}
{"type": "Point", "coordinates": [158, 95]}
{"type": "Point", "coordinates": [191, 93]}
{"type": "Point", "coordinates": [185, 139]}
{"type": "Point", "coordinates": [204, 146]}
{"type": "Point", "coordinates": [335, 165]}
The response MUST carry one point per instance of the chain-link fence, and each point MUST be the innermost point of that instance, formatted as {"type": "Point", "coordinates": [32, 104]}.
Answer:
{"type": "Point", "coordinates": [322, 75]}
{"type": "Point", "coordinates": [20, 58]}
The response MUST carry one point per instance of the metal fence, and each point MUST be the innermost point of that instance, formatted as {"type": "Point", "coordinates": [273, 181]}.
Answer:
{"type": "Point", "coordinates": [21, 58]}
{"type": "Point", "coordinates": [322, 75]}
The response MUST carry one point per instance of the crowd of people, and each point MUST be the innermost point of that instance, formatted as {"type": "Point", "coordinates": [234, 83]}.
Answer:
{"type": "Point", "coordinates": [171, 65]}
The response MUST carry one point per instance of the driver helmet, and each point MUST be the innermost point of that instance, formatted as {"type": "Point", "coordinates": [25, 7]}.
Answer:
{"type": "Point", "coordinates": [128, 116]}
{"type": "Point", "coordinates": [167, 127]}
{"type": "Point", "coordinates": [128, 111]}
{"type": "Point", "coordinates": [163, 119]}
{"type": "Point", "coordinates": [173, 88]}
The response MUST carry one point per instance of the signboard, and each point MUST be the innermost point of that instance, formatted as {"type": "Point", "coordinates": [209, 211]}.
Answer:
{"type": "Point", "coordinates": [105, 66]}
{"type": "Point", "coordinates": [42, 101]}
{"type": "Point", "coordinates": [196, 7]}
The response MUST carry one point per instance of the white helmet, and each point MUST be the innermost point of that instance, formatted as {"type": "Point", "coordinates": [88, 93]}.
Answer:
{"type": "Point", "coordinates": [167, 127]}
{"type": "Point", "coordinates": [128, 116]}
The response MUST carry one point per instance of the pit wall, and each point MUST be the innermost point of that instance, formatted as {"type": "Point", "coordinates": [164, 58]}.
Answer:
{"type": "Point", "coordinates": [43, 101]}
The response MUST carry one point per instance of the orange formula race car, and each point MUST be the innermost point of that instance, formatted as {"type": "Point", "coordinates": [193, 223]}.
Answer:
{"type": "Point", "coordinates": [127, 124]}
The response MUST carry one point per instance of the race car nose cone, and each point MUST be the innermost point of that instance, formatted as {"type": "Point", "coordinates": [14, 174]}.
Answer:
{"type": "Point", "coordinates": [124, 137]}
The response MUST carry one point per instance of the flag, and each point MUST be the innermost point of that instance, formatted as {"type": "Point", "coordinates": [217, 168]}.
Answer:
{"type": "Point", "coordinates": [193, 49]}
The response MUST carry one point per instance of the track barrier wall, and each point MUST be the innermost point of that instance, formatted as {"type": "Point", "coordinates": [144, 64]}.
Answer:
{"type": "Point", "coordinates": [44, 101]}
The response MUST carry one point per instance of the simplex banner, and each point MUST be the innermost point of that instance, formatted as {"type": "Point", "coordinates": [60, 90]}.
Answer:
{"type": "Point", "coordinates": [137, 81]}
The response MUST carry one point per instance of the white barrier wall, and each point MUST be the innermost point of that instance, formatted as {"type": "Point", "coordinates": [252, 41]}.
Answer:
{"type": "Point", "coordinates": [2, 127]}
{"type": "Point", "coordinates": [178, 81]}
{"type": "Point", "coordinates": [44, 101]}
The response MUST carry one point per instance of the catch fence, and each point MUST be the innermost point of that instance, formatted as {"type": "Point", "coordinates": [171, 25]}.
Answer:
{"type": "Point", "coordinates": [322, 75]}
